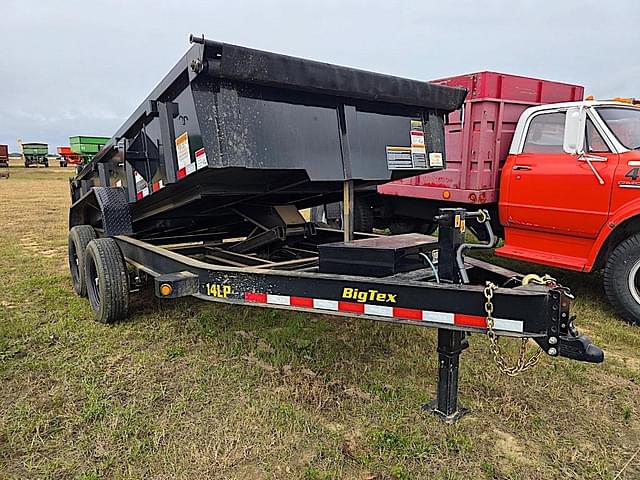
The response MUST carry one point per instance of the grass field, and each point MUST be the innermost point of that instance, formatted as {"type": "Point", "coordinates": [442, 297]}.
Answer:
{"type": "Point", "coordinates": [192, 390]}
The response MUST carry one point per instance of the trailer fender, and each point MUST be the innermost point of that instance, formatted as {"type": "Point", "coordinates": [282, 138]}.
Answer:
{"type": "Point", "coordinates": [622, 224]}
{"type": "Point", "coordinates": [103, 207]}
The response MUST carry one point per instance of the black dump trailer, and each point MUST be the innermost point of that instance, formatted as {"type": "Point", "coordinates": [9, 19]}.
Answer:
{"type": "Point", "coordinates": [201, 190]}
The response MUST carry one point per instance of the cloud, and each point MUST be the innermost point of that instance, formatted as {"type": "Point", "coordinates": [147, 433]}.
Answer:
{"type": "Point", "coordinates": [83, 67]}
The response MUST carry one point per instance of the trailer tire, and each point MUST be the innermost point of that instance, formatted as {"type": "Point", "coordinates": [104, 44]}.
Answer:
{"type": "Point", "coordinates": [622, 279]}
{"type": "Point", "coordinates": [79, 238]}
{"type": "Point", "coordinates": [107, 280]}
{"type": "Point", "coordinates": [428, 228]}
{"type": "Point", "coordinates": [398, 227]}
{"type": "Point", "coordinates": [362, 217]}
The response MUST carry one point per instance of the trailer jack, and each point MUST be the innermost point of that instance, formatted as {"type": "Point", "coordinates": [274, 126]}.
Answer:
{"type": "Point", "coordinates": [562, 338]}
{"type": "Point", "coordinates": [450, 344]}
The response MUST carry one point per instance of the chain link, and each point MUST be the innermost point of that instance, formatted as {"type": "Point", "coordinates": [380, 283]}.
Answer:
{"type": "Point", "coordinates": [522, 363]}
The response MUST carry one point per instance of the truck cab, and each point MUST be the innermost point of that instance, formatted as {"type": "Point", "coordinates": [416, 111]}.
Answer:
{"type": "Point", "coordinates": [569, 193]}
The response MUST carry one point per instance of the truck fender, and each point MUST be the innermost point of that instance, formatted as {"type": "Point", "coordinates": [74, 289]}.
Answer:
{"type": "Point", "coordinates": [105, 207]}
{"type": "Point", "coordinates": [624, 222]}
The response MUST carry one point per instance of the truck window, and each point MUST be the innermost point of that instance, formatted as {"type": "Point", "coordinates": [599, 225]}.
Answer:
{"type": "Point", "coordinates": [546, 134]}
{"type": "Point", "coordinates": [624, 123]}
{"type": "Point", "coordinates": [594, 143]}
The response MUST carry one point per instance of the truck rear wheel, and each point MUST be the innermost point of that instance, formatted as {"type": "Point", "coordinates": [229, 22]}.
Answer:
{"type": "Point", "coordinates": [331, 214]}
{"type": "Point", "coordinates": [107, 280]}
{"type": "Point", "coordinates": [79, 238]}
{"type": "Point", "coordinates": [622, 279]}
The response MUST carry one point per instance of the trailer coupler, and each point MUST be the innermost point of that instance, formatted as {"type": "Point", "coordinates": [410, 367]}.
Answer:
{"type": "Point", "coordinates": [573, 345]}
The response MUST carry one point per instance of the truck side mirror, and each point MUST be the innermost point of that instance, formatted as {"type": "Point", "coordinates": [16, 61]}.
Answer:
{"type": "Point", "coordinates": [574, 128]}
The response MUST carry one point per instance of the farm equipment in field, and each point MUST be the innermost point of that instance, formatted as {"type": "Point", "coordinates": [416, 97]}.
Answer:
{"type": "Point", "coordinates": [81, 150]}
{"type": "Point", "coordinates": [4, 156]}
{"type": "Point", "coordinates": [4, 161]}
{"type": "Point", "coordinates": [200, 191]}
{"type": "Point", "coordinates": [68, 157]}
{"type": "Point", "coordinates": [34, 153]}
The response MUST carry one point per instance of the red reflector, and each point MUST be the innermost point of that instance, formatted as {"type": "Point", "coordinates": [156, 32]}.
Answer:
{"type": "Point", "coordinates": [301, 302]}
{"type": "Point", "coordinates": [409, 313]}
{"type": "Point", "coordinates": [470, 320]}
{"type": "Point", "coordinates": [182, 173]}
{"type": "Point", "coordinates": [351, 307]}
{"type": "Point", "coordinates": [255, 297]}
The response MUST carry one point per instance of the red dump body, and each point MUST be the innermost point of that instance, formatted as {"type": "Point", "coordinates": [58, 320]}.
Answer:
{"type": "Point", "coordinates": [69, 156]}
{"type": "Point", "coordinates": [4, 153]}
{"type": "Point", "coordinates": [478, 136]}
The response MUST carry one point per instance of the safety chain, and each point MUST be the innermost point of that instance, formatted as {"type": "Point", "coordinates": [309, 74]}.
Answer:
{"type": "Point", "coordinates": [523, 363]}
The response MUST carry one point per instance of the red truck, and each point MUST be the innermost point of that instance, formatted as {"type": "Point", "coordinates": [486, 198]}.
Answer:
{"type": "Point", "coordinates": [559, 175]}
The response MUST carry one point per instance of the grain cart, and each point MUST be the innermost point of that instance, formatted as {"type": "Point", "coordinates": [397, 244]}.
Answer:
{"type": "Point", "coordinates": [86, 147]}
{"type": "Point", "coordinates": [200, 192]}
{"type": "Point", "coordinates": [68, 157]}
{"type": "Point", "coordinates": [34, 154]}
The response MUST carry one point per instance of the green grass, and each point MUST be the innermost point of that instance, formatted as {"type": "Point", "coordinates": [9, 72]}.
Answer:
{"type": "Point", "coordinates": [185, 389]}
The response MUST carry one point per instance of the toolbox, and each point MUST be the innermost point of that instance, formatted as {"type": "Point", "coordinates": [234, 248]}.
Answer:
{"type": "Point", "coordinates": [377, 256]}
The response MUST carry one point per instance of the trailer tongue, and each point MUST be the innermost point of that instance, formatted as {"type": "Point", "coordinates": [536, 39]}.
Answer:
{"type": "Point", "coordinates": [201, 188]}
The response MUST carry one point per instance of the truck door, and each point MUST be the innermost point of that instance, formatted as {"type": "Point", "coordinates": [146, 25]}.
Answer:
{"type": "Point", "coordinates": [558, 192]}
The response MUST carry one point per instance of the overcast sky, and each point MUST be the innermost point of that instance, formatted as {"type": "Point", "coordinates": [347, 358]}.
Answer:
{"type": "Point", "coordinates": [70, 67]}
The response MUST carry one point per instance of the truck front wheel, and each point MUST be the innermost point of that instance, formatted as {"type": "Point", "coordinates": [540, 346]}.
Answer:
{"type": "Point", "coordinates": [622, 279]}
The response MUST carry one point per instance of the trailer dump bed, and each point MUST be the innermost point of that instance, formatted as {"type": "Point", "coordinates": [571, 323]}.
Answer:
{"type": "Point", "coordinates": [231, 128]}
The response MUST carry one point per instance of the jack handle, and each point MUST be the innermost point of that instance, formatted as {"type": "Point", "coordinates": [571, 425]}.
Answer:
{"type": "Point", "coordinates": [482, 216]}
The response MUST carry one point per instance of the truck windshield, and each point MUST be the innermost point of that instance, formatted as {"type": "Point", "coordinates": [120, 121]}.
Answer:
{"type": "Point", "coordinates": [624, 123]}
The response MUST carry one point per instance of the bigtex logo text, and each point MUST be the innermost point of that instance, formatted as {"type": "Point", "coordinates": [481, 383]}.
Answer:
{"type": "Point", "coordinates": [363, 296]}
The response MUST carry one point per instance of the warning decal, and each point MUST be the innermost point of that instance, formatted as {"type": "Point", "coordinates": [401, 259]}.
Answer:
{"type": "Point", "coordinates": [201, 158]}
{"type": "Point", "coordinates": [142, 188]}
{"type": "Point", "coordinates": [399, 158]}
{"type": "Point", "coordinates": [418, 149]}
{"type": "Point", "coordinates": [435, 159]}
{"type": "Point", "coordinates": [413, 156]}
{"type": "Point", "coordinates": [182, 149]}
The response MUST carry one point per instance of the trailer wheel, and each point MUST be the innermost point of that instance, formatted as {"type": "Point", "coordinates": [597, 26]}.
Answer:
{"type": "Point", "coordinates": [79, 238]}
{"type": "Point", "coordinates": [398, 227]}
{"type": "Point", "coordinates": [622, 279]}
{"type": "Point", "coordinates": [107, 280]}
{"type": "Point", "coordinates": [428, 228]}
{"type": "Point", "coordinates": [363, 217]}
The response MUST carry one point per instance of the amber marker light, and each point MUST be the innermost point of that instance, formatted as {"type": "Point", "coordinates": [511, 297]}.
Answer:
{"type": "Point", "coordinates": [165, 289]}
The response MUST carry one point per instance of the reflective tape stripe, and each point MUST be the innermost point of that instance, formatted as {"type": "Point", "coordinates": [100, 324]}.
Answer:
{"type": "Point", "coordinates": [325, 304]}
{"type": "Point", "coordinates": [379, 310]}
{"type": "Point", "coordinates": [278, 299]}
{"type": "Point", "coordinates": [508, 325]}
{"type": "Point", "coordinates": [437, 317]}
{"type": "Point", "coordinates": [445, 318]}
